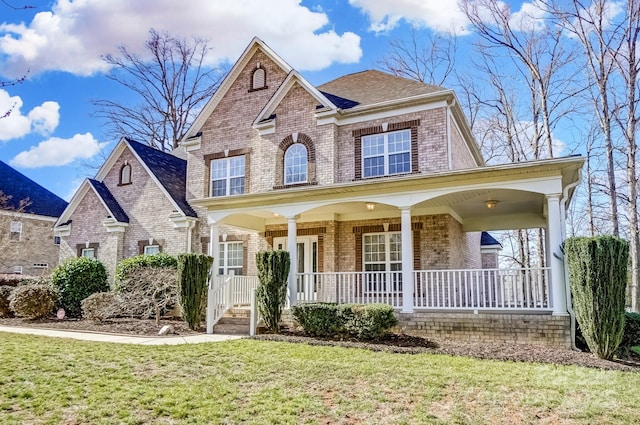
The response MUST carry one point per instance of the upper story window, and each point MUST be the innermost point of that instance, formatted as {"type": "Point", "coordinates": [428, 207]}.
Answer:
{"type": "Point", "coordinates": [125, 174]}
{"type": "Point", "coordinates": [227, 176]}
{"type": "Point", "coordinates": [386, 154]}
{"type": "Point", "coordinates": [258, 79]}
{"type": "Point", "coordinates": [295, 164]}
{"type": "Point", "coordinates": [15, 231]}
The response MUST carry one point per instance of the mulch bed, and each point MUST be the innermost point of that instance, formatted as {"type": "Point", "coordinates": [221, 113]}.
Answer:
{"type": "Point", "coordinates": [392, 342]}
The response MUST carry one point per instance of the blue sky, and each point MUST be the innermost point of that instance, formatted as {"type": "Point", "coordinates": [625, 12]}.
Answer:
{"type": "Point", "coordinates": [51, 132]}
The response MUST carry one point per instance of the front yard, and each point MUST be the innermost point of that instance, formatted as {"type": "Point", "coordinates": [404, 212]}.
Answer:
{"type": "Point", "coordinates": [55, 381]}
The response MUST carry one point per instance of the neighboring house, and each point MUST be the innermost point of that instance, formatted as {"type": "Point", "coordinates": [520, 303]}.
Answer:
{"type": "Point", "coordinates": [134, 205]}
{"type": "Point", "coordinates": [378, 183]}
{"type": "Point", "coordinates": [27, 214]}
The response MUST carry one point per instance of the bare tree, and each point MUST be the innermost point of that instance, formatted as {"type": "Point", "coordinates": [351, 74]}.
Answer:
{"type": "Point", "coordinates": [169, 84]}
{"type": "Point", "coordinates": [430, 59]}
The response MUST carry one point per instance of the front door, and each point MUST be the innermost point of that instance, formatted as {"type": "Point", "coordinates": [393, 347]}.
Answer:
{"type": "Point", "coordinates": [307, 251]}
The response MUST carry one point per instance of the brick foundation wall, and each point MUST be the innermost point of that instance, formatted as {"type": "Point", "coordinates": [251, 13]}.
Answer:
{"type": "Point", "coordinates": [543, 329]}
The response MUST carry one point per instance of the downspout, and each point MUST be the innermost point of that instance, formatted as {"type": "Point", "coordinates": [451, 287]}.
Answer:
{"type": "Point", "coordinates": [190, 227]}
{"type": "Point", "coordinates": [563, 212]}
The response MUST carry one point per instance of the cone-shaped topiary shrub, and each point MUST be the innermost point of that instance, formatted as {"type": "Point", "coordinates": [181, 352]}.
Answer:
{"type": "Point", "coordinates": [598, 279]}
{"type": "Point", "coordinates": [76, 279]}
{"type": "Point", "coordinates": [271, 294]}
{"type": "Point", "coordinates": [193, 272]}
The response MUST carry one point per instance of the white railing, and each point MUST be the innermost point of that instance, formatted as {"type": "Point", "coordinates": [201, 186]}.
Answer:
{"type": "Point", "coordinates": [225, 292]}
{"type": "Point", "coordinates": [501, 289]}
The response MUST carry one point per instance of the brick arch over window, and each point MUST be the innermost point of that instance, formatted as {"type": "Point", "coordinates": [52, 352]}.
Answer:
{"type": "Point", "coordinates": [311, 160]}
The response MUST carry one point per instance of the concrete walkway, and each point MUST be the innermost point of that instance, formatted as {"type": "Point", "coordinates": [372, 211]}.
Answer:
{"type": "Point", "coordinates": [121, 339]}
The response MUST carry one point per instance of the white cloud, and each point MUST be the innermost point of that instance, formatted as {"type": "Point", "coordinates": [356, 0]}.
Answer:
{"type": "Point", "coordinates": [56, 151]}
{"type": "Point", "coordinates": [74, 34]}
{"type": "Point", "coordinates": [439, 15]}
{"type": "Point", "coordinates": [42, 119]}
{"type": "Point", "coordinates": [531, 17]}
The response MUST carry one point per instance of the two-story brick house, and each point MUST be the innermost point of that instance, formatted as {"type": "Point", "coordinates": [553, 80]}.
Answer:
{"type": "Point", "coordinates": [27, 214]}
{"type": "Point", "coordinates": [378, 183]}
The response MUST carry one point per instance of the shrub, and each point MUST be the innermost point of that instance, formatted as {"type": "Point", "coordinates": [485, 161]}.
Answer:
{"type": "Point", "coordinates": [271, 294]}
{"type": "Point", "coordinates": [101, 306]}
{"type": "Point", "coordinates": [129, 265]}
{"type": "Point", "coordinates": [362, 321]}
{"type": "Point", "coordinates": [76, 279]}
{"type": "Point", "coordinates": [5, 293]}
{"type": "Point", "coordinates": [148, 291]}
{"type": "Point", "coordinates": [631, 335]}
{"type": "Point", "coordinates": [598, 279]}
{"type": "Point", "coordinates": [193, 272]}
{"type": "Point", "coordinates": [8, 279]}
{"type": "Point", "coordinates": [33, 301]}
{"type": "Point", "coordinates": [318, 319]}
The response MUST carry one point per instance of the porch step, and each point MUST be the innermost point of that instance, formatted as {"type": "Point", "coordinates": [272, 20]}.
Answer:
{"type": "Point", "coordinates": [239, 312]}
{"type": "Point", "coordinates": [233, 325]}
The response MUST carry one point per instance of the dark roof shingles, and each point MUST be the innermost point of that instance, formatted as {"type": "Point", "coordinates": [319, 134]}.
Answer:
{"type": "Point", "coordinates": [486, 240]}
{"type": "Point", "coordinates": [107, 197]}
{"type": "Point", "coordinates": [170, 170]}
{"type": "Point", "coordinates": [20, 187]}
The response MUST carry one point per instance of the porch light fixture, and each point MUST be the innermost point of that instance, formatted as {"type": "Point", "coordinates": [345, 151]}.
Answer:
{"type": "Point", "coordinates": [370, 206]}
{"type": "Point", "coordinates": [491, 204]}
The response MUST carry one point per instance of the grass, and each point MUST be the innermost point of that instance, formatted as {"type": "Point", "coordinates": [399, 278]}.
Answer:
{"type": "Point", "coordinates": [56, 381]}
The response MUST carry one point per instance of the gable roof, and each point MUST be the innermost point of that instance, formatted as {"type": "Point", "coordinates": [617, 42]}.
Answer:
{"type": "Point", "coordinates": [372, 86]}
{"type": "Point", "coordinates": [114, 208]}
{"type": "Point", "coordinates": [255, 45]}
{"type": "Point", "coordinates": [487, 240]}
{"type": "Point", "coordinates": [19, 187]}
{"type": "Point", "coordinates": [169, 170]}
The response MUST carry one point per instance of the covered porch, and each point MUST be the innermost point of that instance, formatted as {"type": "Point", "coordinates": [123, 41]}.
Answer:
{"type": "Point", "coordinates": [420, 225]}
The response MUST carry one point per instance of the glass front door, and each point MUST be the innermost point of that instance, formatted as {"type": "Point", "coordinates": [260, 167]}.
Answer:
{"type": "Point", "coordinates": [307, 253]}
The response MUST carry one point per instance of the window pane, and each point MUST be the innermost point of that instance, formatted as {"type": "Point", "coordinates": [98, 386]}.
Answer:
{"type": "Point", "coordinates": [236, 186]}
{"type": "Point", "coordinates": [399, 163]}
{"type": "Point", "coordinates": [88, 252]}
{"type": "Point", "coordinates": [374, 166]}
{"type": "Point", "coordinates": [218, 188]}
{"type": "Point", "coordinates": [400, 141]}
{"type": "Point", "coordinates": [219, 169]}
{"type": "Point", "coordinates": [295, 164]}
{"type": "Point", "coordinates": [151, 249]}
{"type": "Point", "coordinates": [236, 165]}
{"type": "Point", "coordinates": [373, 145]}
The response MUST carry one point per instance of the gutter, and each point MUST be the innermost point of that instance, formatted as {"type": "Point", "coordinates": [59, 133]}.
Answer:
{"type": "Point", "coordinates": [563, 212]}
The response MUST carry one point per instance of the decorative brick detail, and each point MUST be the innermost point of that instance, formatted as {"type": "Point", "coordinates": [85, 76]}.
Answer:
{"type": "Point", "coordinates": [311, 231]}
{"type": "Point", "coordinates": [378, 129]}
{"type": "Point", "coordinates": [258, 79]}
{"type": "Point", "coordinates": [145, 242]}
{"type": "Point", "coordinates": [81, 246]}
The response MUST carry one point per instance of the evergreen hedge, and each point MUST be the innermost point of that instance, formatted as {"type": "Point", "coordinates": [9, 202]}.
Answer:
{"type": "Point", "coordinates": [193, 273]}
{"type": "Point", "coordinates": [271, 294]}
{"type": "Point", "coordinates": [598, 279]}
{"type": "Point", "coordinates": [76, 279]}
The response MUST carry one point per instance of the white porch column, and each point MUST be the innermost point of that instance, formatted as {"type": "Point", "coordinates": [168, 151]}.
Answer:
{"type": "Point", "coordinates": [292, 244]}
{"type": "Point", "coordinates": [554, 230]}
{"type": "Point", "coordinates": [214, 251]}
{"type": "Point", "coordinates": [407, 261]}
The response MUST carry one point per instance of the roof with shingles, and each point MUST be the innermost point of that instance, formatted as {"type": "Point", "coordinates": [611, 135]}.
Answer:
{"type": "Point", "coordinates": [487, 240]}
{"type": "Point", "coordinates": [372, 86]}
{"type": "Point", "coordinates": [107, 197]}
{"type": "Point", "coordinates": [20, 187]}
{"type": "Point", "coordinates": [170, 171]}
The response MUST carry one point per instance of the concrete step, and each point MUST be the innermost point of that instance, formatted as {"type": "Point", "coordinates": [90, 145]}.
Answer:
{"type": "Point", "coordinates": [227, 320]}
{"type": "Point", "coordinates": [238, 312]}
{"type": "Point", "coordinates": [231, 329]}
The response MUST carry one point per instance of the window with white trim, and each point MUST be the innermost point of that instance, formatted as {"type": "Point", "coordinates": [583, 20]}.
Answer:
{"type": "Point", "coordinates": [17, 269]}
{"type": "Point", "coordinates": [295, 164]}
{"type": "Point", "coordinates": [386, 154]}
{"type": "Point", "coordinates": [231, 256]}
{"type": "Point", "coordinates": [15, 231]}
{"type": "Point", "coordinates": [151, 249]}
{"type": "Point", "coordinates": [382, 257]}
{"type": "Point", "coordinates": [88, 252]}
{"type": "Point", "coordinates": [227, 176]}
{"type": "Point", "coordinates": [56, 240]}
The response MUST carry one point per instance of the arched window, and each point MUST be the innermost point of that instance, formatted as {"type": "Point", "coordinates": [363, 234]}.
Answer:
{"type": "Point", "coordinates": [258, 79]}
{"type": "Point", "coordinates": [295, 164]}
{"type": "Point", "coordinates": [125, 174]}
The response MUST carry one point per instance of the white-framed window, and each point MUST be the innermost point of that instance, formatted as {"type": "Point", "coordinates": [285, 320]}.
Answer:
{"type": "Point", "coordinates": [40, 266]}
{"type": "Point", "coordinates": [15, 231]}
{"type": "Point", "coordinates": [295, 164]}
{"type": "Point", "coordinates": [231, 256]}
{"type": "Point", "coordinates": [88, 252]}
{"type": "Point", "coordinates": [151, 249]}
{"type": "Point", "coordinates": [386, 154]}
{"type": "Point", "coordinates": [227, 176]}
{"type": "Point", "coordinates": [17, 269]}
{"type": "Point", "coordinates": [56, 240]}
{"type": "Point", "coordinates": [382, 258]}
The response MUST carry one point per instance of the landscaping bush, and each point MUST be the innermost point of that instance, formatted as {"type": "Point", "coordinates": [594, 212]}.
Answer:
{"type": "Point", "coordinates": [631, 335]}
{"type": "Point", "coordinates": [318, 319]}
{"type": "Point", "coordinates": [598, 279]}
{"type": "Point", "coordinates": [101, 306]}
{"type": "Point", "coordinates": [5, 293]}
{"type": "Point", "coordinates": [148, 285]}
{"type": "Point", "coordinates": [362, 321]}
{"type": "Point", "coordinates": [10, 279]}
{"type": "Point", "coordinates": [76, 279]}
{"type": "Point", "coordinates": [271, 294]}
{"type": "Point", "coordinates": [33, 301]}
{"type": "Point", "coordinates": [193, 272]}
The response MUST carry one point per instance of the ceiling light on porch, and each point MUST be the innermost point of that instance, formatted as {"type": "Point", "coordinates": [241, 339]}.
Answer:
{"type": "Point", "coordinates": [370, 206]}
{"type": "Point", "coordinates": [491, 204]}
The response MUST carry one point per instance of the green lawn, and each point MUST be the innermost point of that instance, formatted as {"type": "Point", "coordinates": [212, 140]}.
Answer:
{"type": "Point", "coordinates": [56, 381]}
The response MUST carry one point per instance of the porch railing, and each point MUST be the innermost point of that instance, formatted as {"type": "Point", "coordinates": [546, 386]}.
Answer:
{"type": "Point", "coordinates": [226, 292]}
{"type": "Point", "coordinates": [497, 289]}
